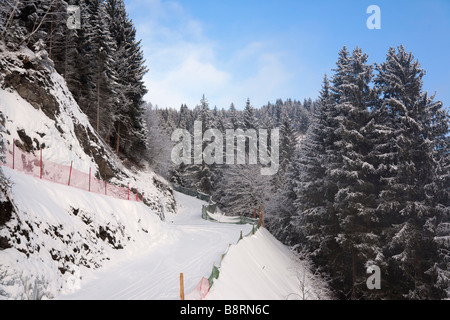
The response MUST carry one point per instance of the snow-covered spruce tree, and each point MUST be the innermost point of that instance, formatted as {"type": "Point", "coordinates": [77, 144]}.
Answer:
{"type": "Point", "coordinates": [249, 117]}
{"type": "Point", "coordinates": [439, 191]}
{"type": "Point", "coordinates": [77, 66]}
{"type": "Point", "coordinates": [314, 216]}
{"type": "Point", "coordinates": [281, 207]}
{"type": "Point", "coordinates": [185, 119]}
{"type": "Point", "coordinates": [177, 173]}
{"type": "Point", "coordinates": [287, 148]}
{"type": "Point", "coordinates": [129, 129]}
{"type": "Point", "coordinates": [202, 174]}
{"type": "Point", "coordinates": [411, 149]}
{"type": "Point", "coordinates": [57, 30]}
{"type": "Point", "coordinates": [352, 173]}
{"type": "Point", "coordinates": [235, 118]}
{"type": "Point", "coordinates": [97, 76]}
{"type": "Point", "coordinates": [336, 198]}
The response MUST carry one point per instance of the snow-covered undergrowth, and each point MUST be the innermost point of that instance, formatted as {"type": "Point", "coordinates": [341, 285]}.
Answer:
{"type": "Point", "coordinates": [260, 267]}
{"type": "Point", "coordinates": [59, 231]}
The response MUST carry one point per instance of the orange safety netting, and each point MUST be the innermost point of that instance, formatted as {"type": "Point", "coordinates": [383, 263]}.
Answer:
{"type": "Point", "coordinates": [200, 291]}
{"type": "Point", "coordinates": [36, 166]}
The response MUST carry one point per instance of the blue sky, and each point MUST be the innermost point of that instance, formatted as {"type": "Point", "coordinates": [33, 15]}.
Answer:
{"type": "Point", "coordinates": [232, 50]}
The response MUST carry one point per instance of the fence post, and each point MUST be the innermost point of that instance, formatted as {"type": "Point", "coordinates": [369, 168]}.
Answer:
{"type": "Point", "coordinates": [70, 173]}
{"type": "Point", "coordinates": [14, 152]}
{"type": "Point", "coordinates": [41, 163]}
{"type": "Point", "coordinates": [89, 179]}
{"type": "Point", "coordinates": [263, 219]}
{"type": "Point", "coordinates": [261, 216]}
{"type": "Point", "coordinates": [181, 287]}
{"type": "Point", "coordinates": [128, 187]}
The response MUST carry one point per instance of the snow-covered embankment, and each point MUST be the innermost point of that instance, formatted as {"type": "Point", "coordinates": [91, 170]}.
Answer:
{"type": "Point", "coordinates": [260, 267]}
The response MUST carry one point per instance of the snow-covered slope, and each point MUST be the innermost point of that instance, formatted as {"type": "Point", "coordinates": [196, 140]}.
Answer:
{"type": "Point", "coordinates": [47, 229]}
{"type": "Point", "coordinates": [61, 231]}
{"type": "Point", "coordinates": [38, 110]}
{"type": "Point", "coordinates": [61, 242]}
{"type": "Point", "coordinates": [260, 267]}
{"type": "Point", "coordinates": [191, 246]}
{"type": "Point", "coordinates": [64, 234]}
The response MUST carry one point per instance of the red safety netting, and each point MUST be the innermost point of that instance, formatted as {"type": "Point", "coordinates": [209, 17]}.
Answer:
{"type": "Point", "coordinates": [34, 165]}
{"type": "Point", "coordinates": [200, 291]}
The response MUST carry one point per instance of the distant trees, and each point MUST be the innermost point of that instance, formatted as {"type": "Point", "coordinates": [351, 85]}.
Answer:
{"type": "Point", "coordinates": [238, 189]}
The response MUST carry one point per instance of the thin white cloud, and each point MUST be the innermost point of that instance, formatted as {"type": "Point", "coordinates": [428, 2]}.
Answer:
{"type": "Point", "coordinates": [184, 63]}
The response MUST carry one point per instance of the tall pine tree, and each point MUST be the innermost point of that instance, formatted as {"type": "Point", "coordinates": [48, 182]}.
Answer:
{"type": "Point", "coordinates": [414, 132]}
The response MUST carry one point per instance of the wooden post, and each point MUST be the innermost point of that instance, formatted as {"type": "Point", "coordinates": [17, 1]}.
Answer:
{"type": "Point", "coordinates": [253, 229]}
{"type": "Point", "coordinates": [261, 216]}
{"type": "Point", "coordinates": [240, 237]}
{"type": "Point", "coordinates": [118, 139]}
{"type": "Point", "coordinates": [262, 219]}
{"type": "Point", "coordinates": [128, 187]}
{"type": "Point", "coordinates": [181, 287]}
{"type": "Point", "coordinates": [254, 214]}
{"type": "Point", "coordinates": [70, 173]}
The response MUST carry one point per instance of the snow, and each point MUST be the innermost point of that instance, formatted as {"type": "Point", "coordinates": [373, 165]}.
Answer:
{"type": "Point", "coordinates": [262, 268]}
{"type": "Point", "coordinates": [71, 244]}
{"type": "Point", "coordinates": [58, 221]}
{"type": "Point", "coordinates": [62, 146]}
{"type": "Point", "coordinates": [191, 246]}
{"type": "Point", "coordinates": [154, 252]}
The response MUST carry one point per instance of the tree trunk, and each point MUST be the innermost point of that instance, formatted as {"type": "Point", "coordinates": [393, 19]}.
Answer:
{"type": "Point", "coordinates": [50, 46]}
{"type": "Point", "coordinates": [118, 139]}
{"type": "Point", "coordinates": [98, 96]}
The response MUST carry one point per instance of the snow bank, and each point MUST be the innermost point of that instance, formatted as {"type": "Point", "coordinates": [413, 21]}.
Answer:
{"type": "Point", "coordinates": [58, 231]}
{"type": "Point", "coordinates": [191, 246]}
{"type": "Point", "coordinates": [260, 267]}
